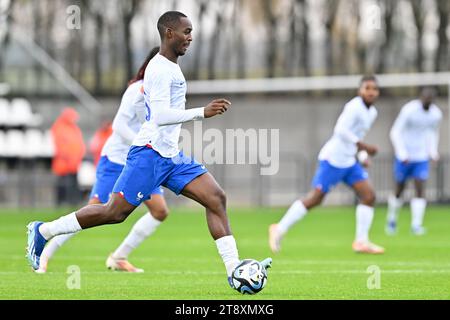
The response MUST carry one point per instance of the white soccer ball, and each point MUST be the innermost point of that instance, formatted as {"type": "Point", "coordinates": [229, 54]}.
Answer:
{"type": "Point", "coordinates": [249, 277]}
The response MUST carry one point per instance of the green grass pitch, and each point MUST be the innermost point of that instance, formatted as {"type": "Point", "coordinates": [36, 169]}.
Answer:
{"type": "Point", "coordinates": [181, 260]}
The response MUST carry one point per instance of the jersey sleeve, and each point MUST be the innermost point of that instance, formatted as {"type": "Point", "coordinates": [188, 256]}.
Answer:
{"type": "Point", "coordinates": [124, 115]}
{"type": "Point", "coordinates": [344, 123]}
{"type": "Point", "coordinates": [157, 96]}
{"type": "Point", "coordinates": [396, 134]}
{"type": "Point", "coordinates": [139, 106]}
{"type": "Point", "coordinates": [433, 139]}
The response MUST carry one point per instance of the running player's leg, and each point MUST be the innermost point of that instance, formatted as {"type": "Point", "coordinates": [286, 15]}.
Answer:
{"type": "Point", "coordinates": [141, 230]}
{"type": "Point", "coordinates": [418, 204]}
{"type": "Point", "coordinates": [123, 201]}
{"type": "Point", "coordinates": [364, 218]}
{"type": "Point", "coordinates": [395, 201]}
{"type": "Point", "coordinates": [325, 178]}
{"type": "Point", "coordinates": [55, 243]}
{"type": "Point", "coordinates": [205, 190]}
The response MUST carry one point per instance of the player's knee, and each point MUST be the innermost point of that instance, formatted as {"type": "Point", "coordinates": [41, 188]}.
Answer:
{"type": "Point", "coordinates": [218, 199]}
{"type": "Point", "coordinates": [312, 201]}
{"type": "Point", "coordinates": [317, 201]}
{"type": "Point", "coordinates": [369, 198]}
{"type": "Point", "coordinates": [160, 213]}
{"type": "Point", "coordinates": [115, 214]}
{"type": "Point", "coordinates": [118, 217]}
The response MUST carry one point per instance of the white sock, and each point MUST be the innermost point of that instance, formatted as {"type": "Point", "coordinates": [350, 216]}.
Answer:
{"type": "Point", "coordinates": [228, 251]}
{"type": "Point", "coordinates": [65, 224]}
{"type": "Point", "coordinates": [296, 212]}
{"type": "Point", "coordinates": [418, 206]}
{"type": "Point", "coordinates": [54, 244]}
{"type": "Point", "coordinates": [141, 230]}
{"type": "Point", "coordinates": [394, 205]}
{"type": "Point", "coordinates": [364, 217]}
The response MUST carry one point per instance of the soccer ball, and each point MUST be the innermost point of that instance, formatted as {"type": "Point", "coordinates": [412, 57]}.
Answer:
{"type": "Point", "coordinates": [249, 277]}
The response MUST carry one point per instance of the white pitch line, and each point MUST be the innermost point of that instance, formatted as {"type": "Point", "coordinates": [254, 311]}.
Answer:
{"type": "Point", "coordinates": [285, 272]}
{"type": "Point", "coordinates": [281, 262]}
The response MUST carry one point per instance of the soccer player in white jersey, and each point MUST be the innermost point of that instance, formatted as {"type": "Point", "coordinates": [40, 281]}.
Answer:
{"type": "Point", "coordinates": [126, 125]}
{"type": "Point", "coordinates": [415, 136]}
{"type": "Point", "coordinates": [338, 163]}
{"type": "Point", "coordinates": [154, 158]}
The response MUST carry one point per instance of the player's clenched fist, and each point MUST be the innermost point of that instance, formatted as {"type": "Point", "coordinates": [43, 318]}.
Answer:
{"type": "Point", "coordinates": [216, 107]}
{"type": "Point", "coordinates": [371, 149]}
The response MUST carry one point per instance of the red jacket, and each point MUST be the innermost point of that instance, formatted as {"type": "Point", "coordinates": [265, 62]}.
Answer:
{"type": "Point", "coordinates": [99, 139]}
{"type": "Point", "coordinates": [68, 142]}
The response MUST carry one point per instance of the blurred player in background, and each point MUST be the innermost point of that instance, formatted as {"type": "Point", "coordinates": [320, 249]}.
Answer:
{"type": "Point", "coordinates": [125, 126]}
{"type": "Point", "coordinates": [338, 163]}
{"type": "Point", "coordinates": [154, 158]}
{"type": "Point", "coordinates": [69, 152]}
{"type": "Point", "coordinates": [415, 137]}
{"type": "Point", "coordinates": [99, 139]}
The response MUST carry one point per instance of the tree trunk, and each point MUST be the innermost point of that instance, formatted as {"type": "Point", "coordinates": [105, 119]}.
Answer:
{"type": "Point", "coordinates": [441, 62]}
{"type": "Point", "coordinates": [332, 6]}
{"type": "Point", "coordinates": [384, 49]}
{"type": "Point", "coordinates": [128, 15]}
{"type": "Point", "coordinates": [291, 45]}
{"type": "Point", "coordinates": [37, 38]}
{"type": "Point", "coordinates": [214, 46]}
{"type": "Point", "coordinates": [97, 53]}
{"type": "Point", "coordinates": [240, 44]}
{"type": "Point", "coordinates": [419, 21]}
{"type": "Point", "coordinates": [202, 6]}
{"type": "Point", "coordinates": [4, 42]}
{"type": "Point", "coordinates": [271, 23]}
{"type": "Point", "coordinates": [305, 40]}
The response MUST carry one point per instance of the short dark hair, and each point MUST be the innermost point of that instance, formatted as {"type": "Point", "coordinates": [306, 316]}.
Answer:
{"type": "Point", "coordinates": [369, 77]}
{"type": "Point", "coordinates": [169, 20]}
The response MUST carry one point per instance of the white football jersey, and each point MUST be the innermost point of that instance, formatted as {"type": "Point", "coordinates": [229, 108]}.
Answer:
{"type": "Point", "coordinates": [351, 127]}
{"type": "Point", "coordinates": [116, 147]}
{"type": "Point", "coordinates": [165, 98]}
{"type": "Point", "coordinates": [415, 132]}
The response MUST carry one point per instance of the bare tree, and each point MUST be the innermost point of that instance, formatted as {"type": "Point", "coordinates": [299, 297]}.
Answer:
{"type": "Point", "coordinates": [304, 47]}
{"type": "Point", "coordinates": [73, 53]}
{"type": "Point", "coordinates": [330, 18]}
{"type": "Point", "coordinates": [240, 45]}
{"type": "Point", "coordinates": [271, 24]}
{"type": "Point", "coordinates": [389, 7]}
{"type": "Point", "coordinates": [38, 72]}
{"type": "Point", "coordinates": [95, 10]}
{"type": "Point", "coordinates": [214, 45]}
{"type": "Point", "coordinates": [442, 55]}
{"type": "Point", "coordinates": [202, 7]}
{"type": "Point", "coordinates": [129, 9]}
{"type": "Point", "coordinates": [419, 19]}
{"type": "Point", "coordinates": [5, 23]}
{"type": "Point", "coordinates": [291, 44]}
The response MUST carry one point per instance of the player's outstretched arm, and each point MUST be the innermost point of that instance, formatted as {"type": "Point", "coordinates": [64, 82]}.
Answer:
{"type": "Point", "coordinates": [216, 107]}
